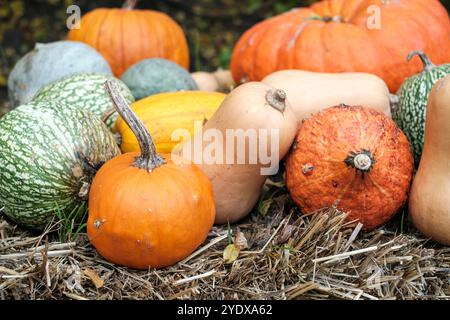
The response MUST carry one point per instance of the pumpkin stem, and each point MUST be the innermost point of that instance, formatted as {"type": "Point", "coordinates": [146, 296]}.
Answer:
{"type": "Point", "coordinates": [149, 159]}
{"type": "Point", "coordinates": [394, 101]}
{"type": "Point", "coordinates": [130, 4]}
{"type": "Point", "coordinates": [276, 99]}
{"type": "Point", "coordinates": [427, 64]}
{"type": "Point", "coordinates": [362, 161]}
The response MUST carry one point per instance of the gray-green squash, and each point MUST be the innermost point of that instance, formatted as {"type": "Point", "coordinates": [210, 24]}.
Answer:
{"type": "Point", "coordinates": [49, 62]}
{"type": "Point", "coordinates": [49, 153]}
{"type": "Point", "coordinates": [153, 76]}
{"type": "Point", "coordinates": [87, 91]}
{"type": "Point", "coordinates": [413, 97]}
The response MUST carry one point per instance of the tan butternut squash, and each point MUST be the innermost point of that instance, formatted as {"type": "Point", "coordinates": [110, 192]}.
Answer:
{"type": "Point", "coordinates": [220, 80]}
{"type": "Point", "coordinates": [205, 81]}
{"type": "Point", "coordinates": [253, 114]}
{"type": "Point", "coordinates": [311, 92]}
{"type": "Point", "coordinates": [429, 202]}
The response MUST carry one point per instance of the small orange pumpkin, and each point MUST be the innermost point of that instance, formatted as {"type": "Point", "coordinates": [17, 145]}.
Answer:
{"type": "Point", "coordinates": [126, 36]}
{"type": "Point", "coordinates": [354, 158]}
{"type": "Point", "coordinates": [145, 210]}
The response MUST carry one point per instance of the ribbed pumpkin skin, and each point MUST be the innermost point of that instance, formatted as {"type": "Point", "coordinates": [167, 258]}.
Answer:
{"type": "Point", "coordinates": [411, 111]}
{"type": "Point", "coordinates": [86, 91]}
{"type": "Point", "coordinates": [125, 37]}
{"type": "Point", "coordinates": [317, 176]}
{"type": "Point", "coordinates": [164, 113]}
{"type": "Point", "coordinates": [298, 39]}
{"type": "Point", "coordinates": [143, 219]}
{"type": "Point", "coordinates": [153, 76]}
{"type": "Point", "coordinates": [47, 151]}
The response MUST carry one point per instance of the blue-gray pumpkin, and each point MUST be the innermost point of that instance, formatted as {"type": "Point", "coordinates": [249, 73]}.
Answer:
{"type": "Point", "coordinates": [153, 76]}
{"type": "Point", "coordinates": [49, 154]}
{"type": "Point", "coordinates": [86, 91]}
{"type": "Point", "coordinates": [49, 62]}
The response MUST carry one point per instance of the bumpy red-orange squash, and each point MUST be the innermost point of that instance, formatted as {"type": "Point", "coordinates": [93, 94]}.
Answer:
{"type": "Point", "coordinates": [354, 158]}
{"type": "Point", "coordinates": [146, 210]}
{"type": "Point", "coordinates": [372, 36]}
{"type": "Point", "coordinates": [126, 36]}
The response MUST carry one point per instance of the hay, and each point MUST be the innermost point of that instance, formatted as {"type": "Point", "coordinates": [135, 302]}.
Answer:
{"type": "Point", "coordinates": [288, 257]}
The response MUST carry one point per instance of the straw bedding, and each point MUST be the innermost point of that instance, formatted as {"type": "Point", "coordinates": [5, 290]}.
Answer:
{"type": "Point", "coordinates": [283, 255]}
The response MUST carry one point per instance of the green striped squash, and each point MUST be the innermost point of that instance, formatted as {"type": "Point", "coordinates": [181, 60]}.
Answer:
{"type": "Point", "coordinates": [49, 153]}
{"type": "Point", "coordinates": [85, 90]}
{"type": "Point", "coordinates": [413, 98]}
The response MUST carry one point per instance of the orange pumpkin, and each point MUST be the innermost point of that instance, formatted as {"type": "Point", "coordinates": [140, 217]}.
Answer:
{"type": "Point", "coordinates": [126, 36]}
{"type": "Point", "coordinates": [373, 36]}
{"type": "Point", "coordinates": [354, 158]}
{"type": "Point", "coordinates": [145, 210]}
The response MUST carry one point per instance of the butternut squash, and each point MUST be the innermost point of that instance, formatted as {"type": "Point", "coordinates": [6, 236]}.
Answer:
{"type": "Point", "coordinates": [220, 80]}
{"type": "Point", "coordinates": [429, 202]}
{"type": "Point", "coordinates": [253, 114]}
{"type": "Point", "coordinates": [205, 81]}
{"type": "Point", "coordinates": [311, 92]}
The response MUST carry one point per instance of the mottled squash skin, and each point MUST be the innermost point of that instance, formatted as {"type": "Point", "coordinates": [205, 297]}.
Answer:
{"type": "Point", "coordinates": [49, 154]}
{"type": "Point", "coordinates": [320, 171]}
{"type": "Point", "coordinates": [413, 95]}
{"type": "Point", "coordinates": [153, 76]}
{"type": "Point", "coordinates": [49, 62]}
{"type": "Point", "coordinates": [85, 91]}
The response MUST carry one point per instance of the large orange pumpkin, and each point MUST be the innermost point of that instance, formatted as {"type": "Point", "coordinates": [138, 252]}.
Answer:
{"type": "Point", "coordinates": [145, 210]}
{"type": "Point", "coordinates": [353, 158]}
{"type": "Point", "coordinates": [373, 36]}
{"type": "Point", "coordinates": [126, 36]}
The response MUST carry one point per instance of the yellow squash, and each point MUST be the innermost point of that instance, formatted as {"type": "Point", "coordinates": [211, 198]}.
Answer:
{"type": "Point", "coordinates": [164, 113]}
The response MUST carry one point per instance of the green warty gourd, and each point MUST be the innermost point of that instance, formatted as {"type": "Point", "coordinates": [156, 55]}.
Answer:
{"type": "Point", "coordinates": [49, 153]}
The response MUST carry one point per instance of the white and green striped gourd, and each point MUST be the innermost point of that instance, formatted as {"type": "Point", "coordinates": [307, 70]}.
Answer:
{"type": "Point", "coordinates": [413, 96]}
{"type": "Point", "coordinates": [49, 153]}
{"type": "Point", "coordinates": [87, 91]}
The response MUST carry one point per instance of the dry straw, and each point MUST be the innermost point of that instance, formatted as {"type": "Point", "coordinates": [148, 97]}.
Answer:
{"type": "Point", "coordinates": [288, 257]}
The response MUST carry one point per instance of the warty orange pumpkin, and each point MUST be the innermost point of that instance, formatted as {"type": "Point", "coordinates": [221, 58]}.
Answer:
{"type": "Point", "coordinates": [126, 36]}
{"type": "Point", "coordinates": [372, 36]}
{"type": "Point", "coordinates": [146, 210]}
{"type": "Point", "coordinates": [354, 158]}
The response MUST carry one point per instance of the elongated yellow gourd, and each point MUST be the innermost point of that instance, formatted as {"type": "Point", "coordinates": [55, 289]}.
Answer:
{"type": "Point", "coordinates": [164, 113]}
